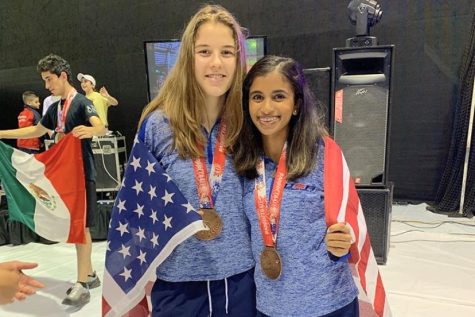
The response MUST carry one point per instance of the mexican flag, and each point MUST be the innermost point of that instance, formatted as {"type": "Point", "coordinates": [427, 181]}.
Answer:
{"type": "Point", "coordinates": [46, 191]}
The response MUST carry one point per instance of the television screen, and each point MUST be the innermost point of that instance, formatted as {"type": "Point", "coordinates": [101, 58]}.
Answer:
{"type": "Point", "coordinates": [160, 56]}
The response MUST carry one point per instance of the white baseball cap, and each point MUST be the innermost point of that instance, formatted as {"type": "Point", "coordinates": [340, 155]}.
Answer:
{"type": "Point", "coordinates": [82, 76]}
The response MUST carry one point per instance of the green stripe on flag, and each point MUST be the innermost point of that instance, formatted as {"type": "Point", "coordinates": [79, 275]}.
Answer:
{"type": "Point", "coordinates": [21, 205]}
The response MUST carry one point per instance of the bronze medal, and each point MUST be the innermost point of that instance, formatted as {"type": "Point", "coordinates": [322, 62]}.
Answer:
{"type": "Point", "coordinates": [212, 221]}
{"type": "Point", "coordinates": [58, 136]}
{"type": "Point", "coordinates": [271, 263]}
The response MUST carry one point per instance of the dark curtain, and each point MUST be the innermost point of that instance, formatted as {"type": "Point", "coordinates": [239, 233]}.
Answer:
{"type": "Point", "coordinates": [449, 191]}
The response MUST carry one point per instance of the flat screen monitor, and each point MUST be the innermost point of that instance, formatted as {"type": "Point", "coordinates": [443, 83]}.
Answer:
{"type": "Point", "coordinates": [160, 56]}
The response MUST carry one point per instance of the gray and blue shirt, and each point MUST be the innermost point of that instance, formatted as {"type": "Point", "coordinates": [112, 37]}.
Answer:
{"type": "Point", "coordinates": [195, 260]}
{"type": "Point", "coordinates": [311, 284]}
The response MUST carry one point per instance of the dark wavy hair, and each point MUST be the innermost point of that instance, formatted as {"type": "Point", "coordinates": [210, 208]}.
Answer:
{"type": "Point", "coordinates": [305, 128]}
{"type": "Point", "coordinates": [56, 65]}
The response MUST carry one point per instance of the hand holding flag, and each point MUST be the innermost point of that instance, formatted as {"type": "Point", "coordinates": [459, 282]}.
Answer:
{"type": "Point", "coordinates": [342, 205]}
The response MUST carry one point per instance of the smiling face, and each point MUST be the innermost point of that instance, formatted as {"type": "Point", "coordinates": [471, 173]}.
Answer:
{"type": "Point", "coordinates": [215, 59]}
{"type": "Point", "coordinates": [86, 86]}
{"type": "Point", "coordinates": [271, 103]}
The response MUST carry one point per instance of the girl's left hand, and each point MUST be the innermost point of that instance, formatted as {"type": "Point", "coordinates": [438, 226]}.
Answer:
{"type": "Point", "coordinates": [338, 239]}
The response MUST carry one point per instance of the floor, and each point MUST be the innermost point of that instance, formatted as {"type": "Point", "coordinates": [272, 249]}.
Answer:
{"type": "Point", "coordinates": [430, 270]}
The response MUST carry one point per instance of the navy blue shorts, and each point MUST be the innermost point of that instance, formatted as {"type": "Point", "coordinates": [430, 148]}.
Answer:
{"type": "Point", "coordinates": [350, 310]}
{"type": "Point", "coordinates": [91, 203]}
{"type": "Point", "coordinates": [190, 299]}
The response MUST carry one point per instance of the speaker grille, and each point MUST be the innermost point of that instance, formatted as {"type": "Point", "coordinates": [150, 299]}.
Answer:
{"type": "Point", "coordinates": [361, 97]}
{"type": "Point", "coordinates": [360, 128]}
{"type": "Point", "coordinates": [377, 204]}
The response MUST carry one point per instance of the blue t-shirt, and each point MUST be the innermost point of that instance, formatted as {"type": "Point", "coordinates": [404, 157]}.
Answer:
{"type": "Point", "coordinates": [311, 284]}
{"type": "Point", "coordinates": [196, 260]}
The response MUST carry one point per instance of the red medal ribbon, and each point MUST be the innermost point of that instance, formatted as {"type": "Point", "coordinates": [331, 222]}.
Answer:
{"type": "Point", "coordinates": [269, 215]}
{"type": "Point", "coordinates": [62, 113]}
{"type": "Point", "coordinates": [207, 192]}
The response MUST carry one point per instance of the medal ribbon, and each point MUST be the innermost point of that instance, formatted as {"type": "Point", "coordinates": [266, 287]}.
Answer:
{"type": "Point", "coordinates": [269, 214]}
{"type": "Point", "coordinates": [62, 113]}
{"type": "Point", "coordinates": [208, 188]}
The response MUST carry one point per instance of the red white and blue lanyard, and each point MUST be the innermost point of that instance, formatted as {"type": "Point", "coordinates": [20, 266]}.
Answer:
{"type": "Point", "coordinates": [269, 214]}
{"type": "Point", "coordinates": [208, 188]}
{"type": "Point", "coordinates": [63, 111]}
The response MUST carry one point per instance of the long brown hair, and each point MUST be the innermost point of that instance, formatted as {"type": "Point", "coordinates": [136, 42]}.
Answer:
{"type": "Point", "coordinates": [181, 97]}
{"type": "Point", "coordinates": [304, 128]}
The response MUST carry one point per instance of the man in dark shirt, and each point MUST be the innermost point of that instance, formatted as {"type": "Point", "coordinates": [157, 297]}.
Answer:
{"type": "Point", "coordinates": [76, 114]}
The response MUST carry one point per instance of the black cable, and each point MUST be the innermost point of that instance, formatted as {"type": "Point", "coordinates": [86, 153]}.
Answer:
{"type": "Point", "coordinates": [438, 224]}
{"type": "Point", "coordinates": [432, 241]}
{"type": "Point", "coordinates": [449, 233]}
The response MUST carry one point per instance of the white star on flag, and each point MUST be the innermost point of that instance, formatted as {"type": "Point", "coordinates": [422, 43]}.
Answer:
{"type": "Point", "coordinates": [151, 192]}
{"type": "Point", "coordinates": [141, 257]}
{"type": "Point", "coordinates": [136, 163]}
{"type": "Point", "coordinates": [121, 205]}
{"type": "Point", "coordinates": [141, 234]}
{"type": "Point", "coordinates": [168, 197]}
{"type": "Point", "coordinates": [139, 210]}
{"type": "Point", "coordinates": [150, 168]}
{"type": "Point", "coordinates": [154, 240]}
{"type": "Point", "coordinates": [138, 187]}
{"type": "Point", "coordinates": [122, 228]}
{"type": "Point", "coordinates": [154, 216]}
{"type": "Point", "coordinates": [167, 176]}
{"type": "Point", "coordinates": [126, 274]}
{"type": "Point", "coordinates": [167, 222]}
{"type": "Point", "coordinates": [188, 207]}
{"type": "Point", "coordinates": [125, 251]}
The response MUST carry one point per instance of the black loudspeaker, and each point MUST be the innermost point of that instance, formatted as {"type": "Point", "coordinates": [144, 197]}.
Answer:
{"type": "Point", "coordinates": [377, 208]}
{"type": "Point", "coordinates": [361, 95]}
{"type": "Point", "coordinates": [102, 219]}
{"type": "Point", "coordinates": [110, 156]}
{"type": "Point", "coordinates": [319, 81]}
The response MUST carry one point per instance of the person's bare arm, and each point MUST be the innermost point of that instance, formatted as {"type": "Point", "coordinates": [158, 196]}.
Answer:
{"type": "Point", "coordinates": [97, 129]}
{"type": "Point", "coordinates": [24, 133]}
{"type": "Point", "coordinates": [111, 100]}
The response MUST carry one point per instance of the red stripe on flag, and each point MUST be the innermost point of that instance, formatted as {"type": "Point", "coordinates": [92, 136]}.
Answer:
{"type": "Point", "coordinates": [352, 218]}
{"type": "Point", "coordinates": [64, 168]}
{"type": "Point", "coordinates": [379, 297]}
{"type": "Point", "coordinates": [363, 263]}
{"type": "Point", "coordinates": [105, 306]}
{"type": "Point", "coordinates": [140, 310]}
{"type": "Point", "coordinates": [333, 174]}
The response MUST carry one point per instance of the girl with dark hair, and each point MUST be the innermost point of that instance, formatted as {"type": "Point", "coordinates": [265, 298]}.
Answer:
{"type": "Point", "coordinates": [303, 268]}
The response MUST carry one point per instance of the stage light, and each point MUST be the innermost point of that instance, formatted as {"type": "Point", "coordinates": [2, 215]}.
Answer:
{"type": "Point", "coordinates": [364, 14]}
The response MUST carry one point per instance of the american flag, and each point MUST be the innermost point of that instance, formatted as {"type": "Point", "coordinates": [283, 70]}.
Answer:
{"type": "Point", "coordinates": [342, 204]}
{"type": "Point", "coordinates": [149, 219]}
